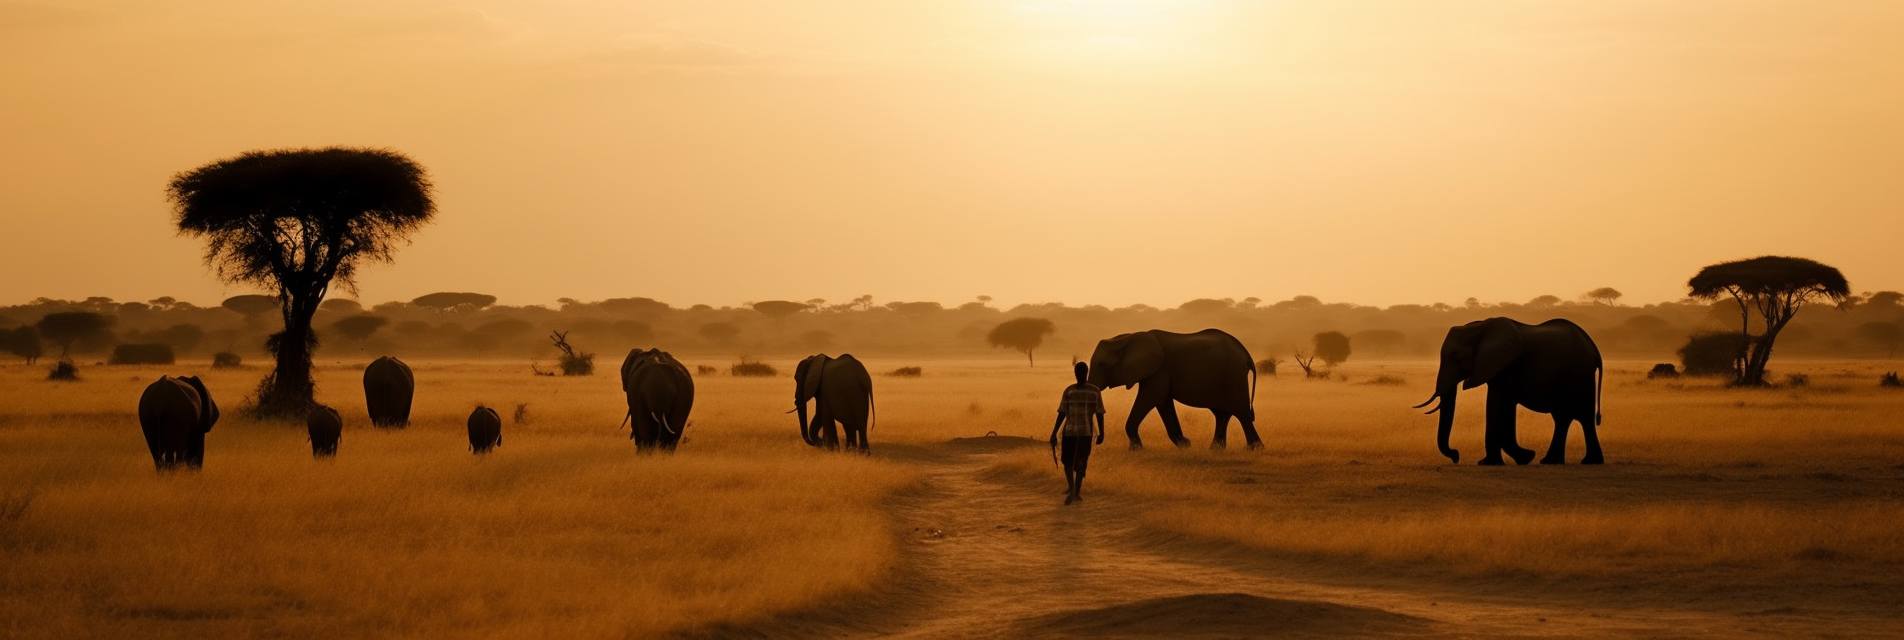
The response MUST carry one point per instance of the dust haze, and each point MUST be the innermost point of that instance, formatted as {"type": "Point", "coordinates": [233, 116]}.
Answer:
{"type": "Point", "coordinates": [430, 319]}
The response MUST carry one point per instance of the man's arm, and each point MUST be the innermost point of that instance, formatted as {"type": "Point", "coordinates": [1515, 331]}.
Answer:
{"type": "Point", "coordinates": [1059, 424]}
{"type": "Point", "coordinates": [1100, 419]}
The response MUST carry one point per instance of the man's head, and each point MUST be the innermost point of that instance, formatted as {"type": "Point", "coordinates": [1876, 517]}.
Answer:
{"type": "Point", "coordinates": [1081, 370]}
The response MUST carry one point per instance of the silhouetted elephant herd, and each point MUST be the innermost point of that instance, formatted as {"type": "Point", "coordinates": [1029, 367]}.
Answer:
{"type": "Point", "coordinates": [1552, 368]}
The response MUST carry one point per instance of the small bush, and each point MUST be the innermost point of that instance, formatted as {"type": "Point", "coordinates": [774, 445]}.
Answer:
{"type": "Point", "coordinates": [1663, 370]}
{"type": "Point", "coordinates": [1386, 381]}
{"type": "Point", "coordinates": [1797, 380]}
{"type": "Point", "coordinates": [142, 354]}
{"type": "Point", "coordinates": [1267, 366]}
{"type": "Point", "coordinates": [749, 367]}
{"type": "Point", "coordinates": [65, 370]}
{"type": "Point", "coordinates": [574, 363]}
{"type": "Point", "coordinates": [227, 360]}
{"type": "Point", "coordinates": [706, 370]}
{"type": "Point", "coordinates": [522, 413]}
{"type": "Point", "coordinates": [908, 372]}
{"type": "Point", "coordinates": [579, 364]}
{"type": "Point", "coordinates": [1890, 380]}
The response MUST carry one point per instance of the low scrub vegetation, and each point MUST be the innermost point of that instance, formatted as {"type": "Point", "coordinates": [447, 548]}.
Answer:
{"type": "Point", "coordinates": [142, 354]}
{"type": "Point", "coordinates": [749, 367]}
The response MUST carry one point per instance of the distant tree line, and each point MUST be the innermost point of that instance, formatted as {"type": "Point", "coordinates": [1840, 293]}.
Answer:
{"type": "Point", "coordinates": [1869, 325]}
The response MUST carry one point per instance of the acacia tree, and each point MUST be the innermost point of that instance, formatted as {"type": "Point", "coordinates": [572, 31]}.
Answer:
{"type": "Point", "coordinates": [1022, 334]}
{"type": "Point", "coordinates": [294, 221]}
{"type": "Point", "coordinates": [68, 327]}
{"type": "Point", "coordinates": [23, 342]}
{"type": "Point", "coordinates": [446, 301]}
{"type": "Point", "coordinates": [1604, 295]}
{"type": "Point", "coordinates": [780, 309]}
{"type": "Point", "coordinates": [1774, 287]}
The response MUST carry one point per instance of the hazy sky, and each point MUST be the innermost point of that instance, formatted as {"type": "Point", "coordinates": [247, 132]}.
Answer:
{"type": "Point", "coordinates": [1077, 151]}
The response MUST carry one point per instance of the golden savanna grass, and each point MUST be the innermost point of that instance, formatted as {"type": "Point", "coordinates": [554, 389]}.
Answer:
{"type": "Point", "coordinates": [565, 530]}
{"type": "Point", "coordinates": [1704, 484]}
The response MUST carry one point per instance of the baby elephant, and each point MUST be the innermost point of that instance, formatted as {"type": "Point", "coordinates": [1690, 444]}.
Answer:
{"type": "Point", "coordinates": [326, 428]}
{"type": "Point", "coordinates": [485, 429]}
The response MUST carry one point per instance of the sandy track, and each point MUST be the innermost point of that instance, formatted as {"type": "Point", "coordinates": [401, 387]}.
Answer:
{"type": "Point", "coordinates": [989, 556]}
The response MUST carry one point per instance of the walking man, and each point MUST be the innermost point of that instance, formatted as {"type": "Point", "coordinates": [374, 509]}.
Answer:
{"type": "Point", "coordinates": [1080, 405]}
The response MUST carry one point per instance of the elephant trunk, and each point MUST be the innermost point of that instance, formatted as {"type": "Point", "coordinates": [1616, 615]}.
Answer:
{"type": "Point", "coordinates": [805, 434]}
{"type": "Point", "coordinates": [1446, 420]}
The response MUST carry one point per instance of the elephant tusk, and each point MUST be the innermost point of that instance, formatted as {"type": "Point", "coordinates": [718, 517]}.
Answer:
{"type": "Point", "coordinates": [1432, 398]}
{"type": "Point", "coordinates": [793, 410]}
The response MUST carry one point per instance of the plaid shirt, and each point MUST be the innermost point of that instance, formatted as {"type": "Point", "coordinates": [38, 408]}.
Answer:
{"type": "Point", "coordinates": [1081, 401]}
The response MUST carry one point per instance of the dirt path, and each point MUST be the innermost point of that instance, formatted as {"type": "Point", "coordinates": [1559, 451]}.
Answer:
{"type": "Point", "coordinates": [996, 557]}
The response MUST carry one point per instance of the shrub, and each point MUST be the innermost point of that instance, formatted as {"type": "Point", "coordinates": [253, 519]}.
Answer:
{"type": "Point", "coordinates": [1267, 366]}
{"type": "Point", "coordinates": [1714, 353]}
{"type": "Point", "coordinates": [908, 372]}
{"type": "Point", "coordinates": [1333, 347]}
{"type": "Point", "coordinates": [1387, 381]}
{"type": "Point", "coordinates": [706, 370]}
{"type": "Point", "coordinates": [142, 354]}
{"type": "Point", "coordinates": [65, 370]}
{"type": "Point", "coordinates": [1890, 380]}
{"type": "Point", "coordinates": [227, 360]}
{"type": "Point", "coordinates": [1663, 370]}
{"type": "Point", "coordinates": [749, 367]}
{"type": "Point", "coordinates": [572, 362]}
{"type": "Point", "coordinates": [1797, 380]}
{"type": "Point", "coordinates": [581, 364]}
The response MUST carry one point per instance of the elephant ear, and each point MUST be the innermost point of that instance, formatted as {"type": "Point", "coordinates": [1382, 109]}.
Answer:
{"type": "Point", "coordinates": [816, 368]}
{"type": "Point", "coordinates": [208, 410]}
{"type": "Point", "coordinates": [1142, 356]}
{"type": "Point", "coordinates": [629, 364]}
{"type": "Point", "coordinates": [1498, 346]}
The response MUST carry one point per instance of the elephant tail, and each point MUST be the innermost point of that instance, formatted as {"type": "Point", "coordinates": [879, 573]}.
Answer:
{"type": "Point", "coordinates": [872, 409]}
{"type": "Point", "coordinates": [1599, 384]}
{"type": "Point", "coordinates": [1252, 371]}
{"type": "Point", "coordinates": [625, 417]}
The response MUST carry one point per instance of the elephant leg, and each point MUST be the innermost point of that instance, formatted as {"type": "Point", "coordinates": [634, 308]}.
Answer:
{"type": "Point", "coordinates": [1501, 413]}
{"type": "Point", "coordinates": [1248, 420]}
{"type": "Point", "coordinates": [1557, 450]}
{"type": "Point", "coordinates": [824, 419]}
{"type": "Point", "coordinates": [1139, 410]}
{"type": "Point", "coordinates": [195, 449]}
{"type": "Point", "coordinates": [1172, 428]}
{"type": "Point", "coordinates": [1591, 433]}
{"type": "Point", "coordinates": [1222, 438]}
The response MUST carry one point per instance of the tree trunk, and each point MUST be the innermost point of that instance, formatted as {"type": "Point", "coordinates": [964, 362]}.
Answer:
{"type": "Point", "coordinates": [289, 393]}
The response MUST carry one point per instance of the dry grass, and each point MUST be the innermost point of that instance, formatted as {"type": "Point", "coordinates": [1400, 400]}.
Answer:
{"type": "Point", "coordinates": [1701, 480]}
{"type": "Point", "coordinates": [566, 531]}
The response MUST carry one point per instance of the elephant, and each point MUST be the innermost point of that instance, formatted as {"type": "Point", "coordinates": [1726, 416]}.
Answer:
{"type": "Point", "coordinates": [485, 429]}
{"type": "Point", "coordinates": [326, 429]}
{"type": "Point", "coordinates": [660, 395]}
{"type": "Point", "coordinates": [1552, 367]}
{"type": "Point", "coordinates": [388, 389]}
{"type": "Point", "coordinates": [842, 392]}
{"type": "Point", "coordinates": [175, 414]}
{"type": "Point", "coordinates": [1205, 369]}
